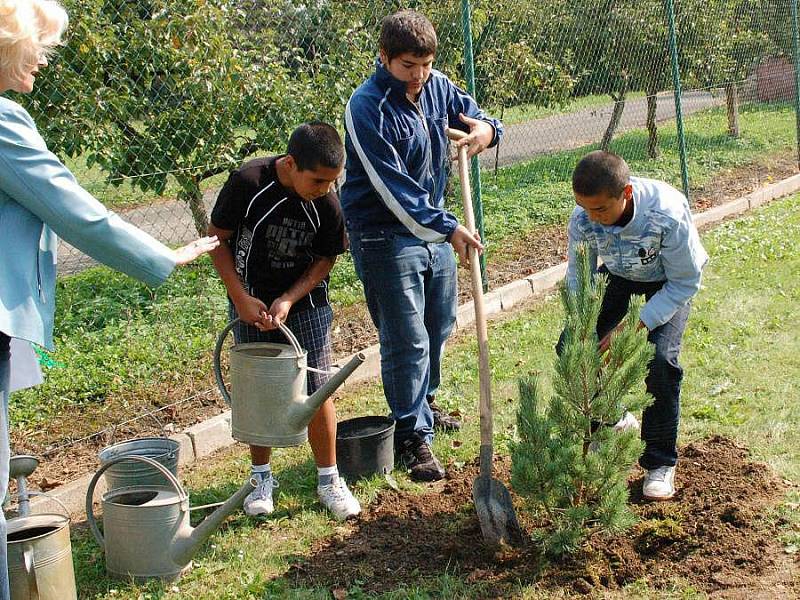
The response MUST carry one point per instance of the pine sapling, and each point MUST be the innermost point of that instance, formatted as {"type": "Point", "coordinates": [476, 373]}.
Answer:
{"type": "Point", "coordinates": [568, 467]}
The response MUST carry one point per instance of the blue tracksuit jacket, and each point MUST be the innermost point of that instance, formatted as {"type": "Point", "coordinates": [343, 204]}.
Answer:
{"type": "Point", "coordinates": [397, 157]}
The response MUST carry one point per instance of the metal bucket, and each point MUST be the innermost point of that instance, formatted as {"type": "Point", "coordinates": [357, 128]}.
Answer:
{"type": "Point", "coordinates": [40, 558]}
{"type": "Point", "coordinates": [133, 472]}
{"type": "Point", "coordinates": [365, 446]}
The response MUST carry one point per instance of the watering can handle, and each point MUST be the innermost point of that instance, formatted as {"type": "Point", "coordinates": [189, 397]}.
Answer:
{"type": "Point", "coordinates": [218, 354]}
{"type": "Point", "coordinates": [30, 571]}
{"type": "Point", "coordinates": [182, 495]}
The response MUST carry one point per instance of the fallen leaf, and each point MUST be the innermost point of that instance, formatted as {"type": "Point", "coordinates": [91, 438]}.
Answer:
{"type": "Point", "coordinates": [49, 484]}
{"type": "Point", "coordinates": [339, 594]}
{"type": "Point", "coordinates": [456, 443]}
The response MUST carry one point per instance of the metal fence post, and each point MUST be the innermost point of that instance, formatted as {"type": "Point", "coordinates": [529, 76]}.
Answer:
{"type": "Point", "coordinates": [796, 75]}
{"type": "Point", "coordinates": [676, 83]}
{"type": "Point", "coordinates": [469, 75]}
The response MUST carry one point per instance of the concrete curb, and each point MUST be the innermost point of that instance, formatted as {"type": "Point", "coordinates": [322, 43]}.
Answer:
{"type": "Point", "coordinates": [215, 433]}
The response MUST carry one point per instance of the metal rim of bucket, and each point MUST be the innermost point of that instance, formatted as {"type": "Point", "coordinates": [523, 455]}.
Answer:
{"type": "Point", "coordinates": [376, 419]}
{"type": "Point", "coordinates": [218, 354]}
{"type": "Point", "coordinates": [115, 449]}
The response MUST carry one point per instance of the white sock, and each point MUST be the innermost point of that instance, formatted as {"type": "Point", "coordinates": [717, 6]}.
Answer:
{"type": "Point", "coordinates": [327, 475]}
{"type": "Point", "coordinates": [261, 472]}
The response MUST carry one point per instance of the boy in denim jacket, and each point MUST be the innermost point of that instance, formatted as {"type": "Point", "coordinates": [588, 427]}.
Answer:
{"type": "Point", "coordinates": [643, 231]}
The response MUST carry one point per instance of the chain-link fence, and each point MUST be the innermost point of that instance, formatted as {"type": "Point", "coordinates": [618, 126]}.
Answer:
{"type": "Point", "coordinates": [152, 102]}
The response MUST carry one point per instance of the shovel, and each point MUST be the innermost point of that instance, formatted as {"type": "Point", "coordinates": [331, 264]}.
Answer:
{"type": "Point", "coordinates": [492, 501]}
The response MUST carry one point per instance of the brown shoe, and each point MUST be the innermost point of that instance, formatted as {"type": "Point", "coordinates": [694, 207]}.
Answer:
{"type": "Point", "coordinates": [416, 455]}
{"type": "Point", "coordinates": [441, 420]}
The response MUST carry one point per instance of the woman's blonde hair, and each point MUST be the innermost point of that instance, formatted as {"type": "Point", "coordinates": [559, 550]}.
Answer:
{"type": "Point", "coordinates": [28, 28]}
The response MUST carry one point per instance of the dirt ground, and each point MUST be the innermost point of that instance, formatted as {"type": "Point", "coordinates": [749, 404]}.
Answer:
{"type": "Point", "coordinates": [65, 459]}
{"type": "Point", "coordinates": [720, 535]}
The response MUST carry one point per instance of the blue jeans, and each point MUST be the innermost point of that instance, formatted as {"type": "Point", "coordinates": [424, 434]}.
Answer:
{"type": "Point", "coordinates": [411, 291]}
{"type": "Point", "coordinates": [5, 374]}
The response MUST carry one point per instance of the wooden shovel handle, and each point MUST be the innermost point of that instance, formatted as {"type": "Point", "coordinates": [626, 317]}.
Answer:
{"type": "Point", "coordinates": [484, 374]}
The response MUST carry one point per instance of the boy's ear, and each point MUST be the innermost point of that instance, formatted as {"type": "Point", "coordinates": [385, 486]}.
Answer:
{"type": "Point", "coordinates": [384, 58]}
{"type": "Point", "coordinates": [628, 192]}
{"type": "Point", "coordinates": [290, 162]}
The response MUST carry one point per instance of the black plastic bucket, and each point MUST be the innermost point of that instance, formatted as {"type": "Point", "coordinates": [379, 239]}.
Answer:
{"type": "Point", "coordinates": [365, 446]}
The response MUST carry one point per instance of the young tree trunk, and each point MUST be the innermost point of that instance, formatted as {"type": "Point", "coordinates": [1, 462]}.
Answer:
{"type": "Point", "coordinates": [191, 194]}
{"type": "Point", "coordinates": [652, 126]}
{"type": "Point", "coordinates": [616, 116]}
{"type": "Point", "coordinates": [732, 100]}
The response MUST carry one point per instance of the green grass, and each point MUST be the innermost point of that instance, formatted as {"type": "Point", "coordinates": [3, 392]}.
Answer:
{"type": "Point", "coordinates": [115, 337]}
{"type": "Point", "coordinates": [741, 357]}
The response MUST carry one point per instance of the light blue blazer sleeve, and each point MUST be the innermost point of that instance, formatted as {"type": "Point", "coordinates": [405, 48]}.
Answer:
{"type": "Point", "coordinates": [36, 179]}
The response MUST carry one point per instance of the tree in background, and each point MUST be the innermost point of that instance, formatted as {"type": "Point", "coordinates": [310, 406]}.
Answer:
{"type": "Point", "coordinates": [159, 88]}
{"type": "Point", "coordinates": [573, 472]}
{"type": "Point", "coordinates": [721, 48]}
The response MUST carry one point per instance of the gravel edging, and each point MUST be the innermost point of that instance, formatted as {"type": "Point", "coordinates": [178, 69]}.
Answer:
{"type": "Point", "coordinates": [211, 435]}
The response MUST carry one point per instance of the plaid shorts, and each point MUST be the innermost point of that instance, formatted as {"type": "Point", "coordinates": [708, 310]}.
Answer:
{"type": "Point", "coordinates": [311, 327]}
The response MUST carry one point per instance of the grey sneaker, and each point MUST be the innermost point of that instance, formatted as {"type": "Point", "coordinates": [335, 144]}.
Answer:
{"type": "Point", "coordinates": [659, 483]}
{"type": "Point", "coordinates": [259, 501]}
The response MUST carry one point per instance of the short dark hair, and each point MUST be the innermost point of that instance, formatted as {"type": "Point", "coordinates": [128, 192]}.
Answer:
{"type": "Point", "coordinates": [600, 171]}
{"type": "Point", "coordinates": [316, 144]}
{"type": "Point", "coordinates": [407, 31]}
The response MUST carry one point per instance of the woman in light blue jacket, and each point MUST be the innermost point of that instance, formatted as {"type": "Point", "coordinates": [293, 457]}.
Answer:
{"type": "Point", "coordinates": [40, 200]}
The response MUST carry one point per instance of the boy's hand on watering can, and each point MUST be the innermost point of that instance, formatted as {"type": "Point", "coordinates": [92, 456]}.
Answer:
{"type": "Point", "coordinates": [462, 239]}
{"type": "Point", "coordinates": [278, 312]}
{"type": "Point", "coordinates": [252, 311]}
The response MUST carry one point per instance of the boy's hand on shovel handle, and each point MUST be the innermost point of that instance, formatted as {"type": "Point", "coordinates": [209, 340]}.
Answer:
{"type": "Point", "coordinates": [462, 240]}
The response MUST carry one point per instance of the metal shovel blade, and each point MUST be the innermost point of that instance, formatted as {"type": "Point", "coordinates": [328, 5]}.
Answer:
{"type": "Point", "coordinates": [496, 514]}
{"type": "Point", "coordinates": [493, 504]}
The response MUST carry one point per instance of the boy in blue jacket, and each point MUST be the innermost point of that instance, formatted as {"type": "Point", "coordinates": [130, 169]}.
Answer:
{"type": "Point", "coordinates": [400, 232]}
{"type": "Point", "coordinates": [643, 231]}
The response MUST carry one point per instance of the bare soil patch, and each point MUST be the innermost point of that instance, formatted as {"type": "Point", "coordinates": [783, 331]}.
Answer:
{"type": "Point", "coordinates": [718, 535]}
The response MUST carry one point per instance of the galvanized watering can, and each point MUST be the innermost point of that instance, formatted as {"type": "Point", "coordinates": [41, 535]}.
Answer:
{"type": "Point", "coordinates": [268, 399]}
{"type": "Point", "coordinates": [40, 558]}
{"type": "Point", "coordinates": [147, 530]}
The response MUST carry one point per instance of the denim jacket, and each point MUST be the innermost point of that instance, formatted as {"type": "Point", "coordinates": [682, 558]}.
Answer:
{"type": "Point", "coordinates": [39, 200]}
{"type": "Point", "coordinates": [397, 163]}
{"type": "Point", "coordinates": [659, 243]}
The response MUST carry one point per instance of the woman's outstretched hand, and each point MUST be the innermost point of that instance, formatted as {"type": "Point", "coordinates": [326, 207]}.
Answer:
{"type": "Point", "coordinates": [186, 254]}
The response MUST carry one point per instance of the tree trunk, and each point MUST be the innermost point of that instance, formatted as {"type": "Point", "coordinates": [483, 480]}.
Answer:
{"type": "Point", "coordinates": [652, 126]}
{"type": "Point", "coordinates": [616, 116]}
{"type": "Point", "coordinates": [732, 100]}
{"type": "Point", "coordinates": [191, 194]}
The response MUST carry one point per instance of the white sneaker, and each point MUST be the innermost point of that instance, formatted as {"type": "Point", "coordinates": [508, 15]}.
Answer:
{"type": "Point", "coordinates": [259, 501]}
{"type": "Point", "coordinates": [627, 423]}
{"type": "Point", "coordinates": [338, 499]}
{"type": "Point", "coordinates": [659, 484]}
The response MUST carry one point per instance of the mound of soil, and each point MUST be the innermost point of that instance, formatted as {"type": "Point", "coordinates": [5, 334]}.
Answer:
{"type": "Point", "coordinates": [719, 534]}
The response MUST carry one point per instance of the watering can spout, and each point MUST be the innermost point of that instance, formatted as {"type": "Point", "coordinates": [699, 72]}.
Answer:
{"type": "Point", "coordinates": [186, 546]}
{"type": "Point", "coordinates": [304, 412]}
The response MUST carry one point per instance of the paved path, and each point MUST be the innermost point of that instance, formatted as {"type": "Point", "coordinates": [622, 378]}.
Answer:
{"type": "Point", "coordinates": [171, 222]}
